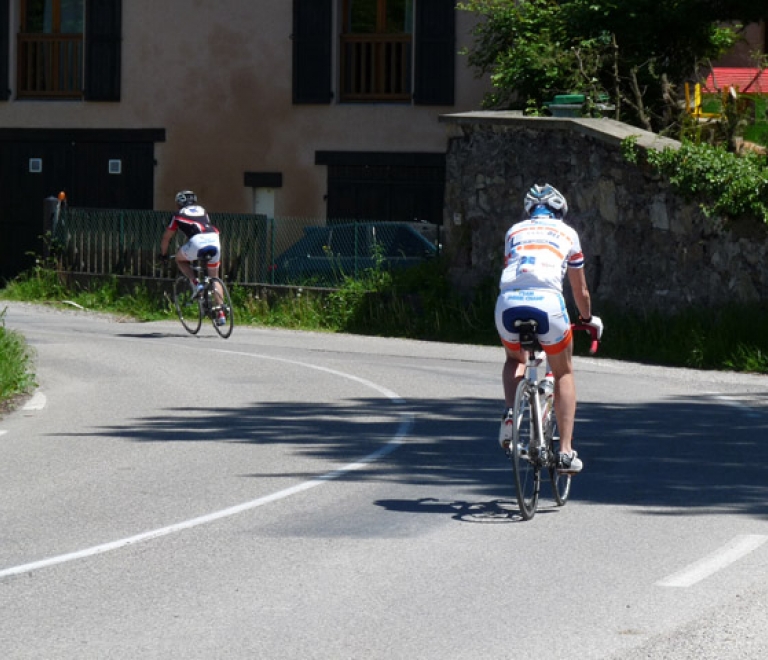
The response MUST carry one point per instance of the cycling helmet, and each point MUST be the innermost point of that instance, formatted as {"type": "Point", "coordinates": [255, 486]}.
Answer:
{"type": "Point", "coordinates": [185, 198]}
{"type": "Point", "coordinates": [545, 198]}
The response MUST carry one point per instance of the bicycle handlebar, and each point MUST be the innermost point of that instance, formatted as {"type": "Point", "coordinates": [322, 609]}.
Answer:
{"type": "Point", "coordinates": [592, 331]}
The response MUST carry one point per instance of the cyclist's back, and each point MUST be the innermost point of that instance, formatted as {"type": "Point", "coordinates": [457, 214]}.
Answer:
{"type": "Point", "coordinates": [537, 252]}
{"type": "Point", "coordinates": [192, 220]}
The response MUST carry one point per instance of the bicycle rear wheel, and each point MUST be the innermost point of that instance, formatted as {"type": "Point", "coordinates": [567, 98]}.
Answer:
{"type": "Point", "coordinates": [561, 482]}
{"type": "Point", "coordinates": [224, 330]}
{"type": "Point", "coordinates": [188, 310]}
{"type": "Point", "coordinates": [524, 464]}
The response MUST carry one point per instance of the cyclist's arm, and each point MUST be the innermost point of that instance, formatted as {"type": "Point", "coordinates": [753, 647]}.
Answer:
{"type": "Point", "coordinates": [578, 282]}
{"type": "Point", "coordinates": [165, 241]}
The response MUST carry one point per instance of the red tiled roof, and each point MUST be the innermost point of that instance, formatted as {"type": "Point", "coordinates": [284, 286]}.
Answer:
{"type": "Point", "coordinates": [747, 79]}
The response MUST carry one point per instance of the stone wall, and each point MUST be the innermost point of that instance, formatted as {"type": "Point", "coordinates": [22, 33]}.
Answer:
{"type": "Point", "coordinates": [645, 246]}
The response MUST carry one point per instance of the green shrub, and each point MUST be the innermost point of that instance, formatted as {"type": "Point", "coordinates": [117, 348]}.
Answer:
{"type": "Point", "coordinates": [722, 182]}
{"type": "Point", "coordinates": [731, 337]}
{"type": "Point", "coordinates": [15, 363]}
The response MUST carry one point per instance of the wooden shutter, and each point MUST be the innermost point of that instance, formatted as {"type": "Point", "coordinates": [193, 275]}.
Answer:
{"type": "Point", "coordinates": [103, 36]}
{"type": "Point", "coordinates": [312, 30]}
{"type": "Point", "coordinates": [4, 49]}
{"type": "Point", "coordinates": [435, 52]}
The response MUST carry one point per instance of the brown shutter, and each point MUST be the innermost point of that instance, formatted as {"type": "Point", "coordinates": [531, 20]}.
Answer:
{"type": "Point", "coordinates": [5, 92]}
{"type": "Point", "coordinates": [435, 52]}
{"type": "Point", "coordinates": [312, 51]}
{"type": "Point", "coordinates": [103, 36]}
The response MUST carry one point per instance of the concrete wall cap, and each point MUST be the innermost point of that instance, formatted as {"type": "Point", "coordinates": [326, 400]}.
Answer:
{"type": "Point", "coordinates": [604, 129]}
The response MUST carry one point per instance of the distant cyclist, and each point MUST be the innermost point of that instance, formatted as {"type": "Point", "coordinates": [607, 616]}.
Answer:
{"type": "Point", "coordinates": [193, 221]}
{"type": "Point", "coordinates": [538, 251]}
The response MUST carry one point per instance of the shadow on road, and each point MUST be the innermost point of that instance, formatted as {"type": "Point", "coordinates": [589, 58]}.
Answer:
{"type": "Point", "coordinates": [683, 456]}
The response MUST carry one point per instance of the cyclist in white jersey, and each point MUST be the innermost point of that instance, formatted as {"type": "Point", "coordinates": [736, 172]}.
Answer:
{"type": "Point", "coordinates": [538, 251]}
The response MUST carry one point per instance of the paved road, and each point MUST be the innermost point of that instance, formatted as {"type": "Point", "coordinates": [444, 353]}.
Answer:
{"type": "Point", "coordinates": [300, 495]}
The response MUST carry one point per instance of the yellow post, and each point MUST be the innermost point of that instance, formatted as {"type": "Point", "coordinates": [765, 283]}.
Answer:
{"type": "Point", "coordinates": [697, 100]}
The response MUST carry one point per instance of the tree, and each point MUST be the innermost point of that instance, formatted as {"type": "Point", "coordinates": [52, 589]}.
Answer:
{"type": "Point", "coordinates": [639, 52]}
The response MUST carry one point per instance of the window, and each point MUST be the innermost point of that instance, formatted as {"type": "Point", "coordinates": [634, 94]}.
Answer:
{"type": "Point", "coordinates": [375, 50]}
{"type": "Point", "coordinates": [387, 51]}
{"type": "Point", "coordinates": [50, 49]}
{"type": "Point", "coordinates": [66, 49]}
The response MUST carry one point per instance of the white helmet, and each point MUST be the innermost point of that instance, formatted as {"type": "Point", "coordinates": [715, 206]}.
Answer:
{"type": "Point", "coordinates": [545, 200]}
{"type": "Point", "coordinates": [185, 198]}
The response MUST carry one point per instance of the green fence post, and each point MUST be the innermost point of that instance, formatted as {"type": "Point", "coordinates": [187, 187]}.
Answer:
{"type": "Point", "coordinates": [271, 260]}
{"type": "Point", "coordinates": [357, 245]}
{"type": "Point", "coordinates": [122, 255]}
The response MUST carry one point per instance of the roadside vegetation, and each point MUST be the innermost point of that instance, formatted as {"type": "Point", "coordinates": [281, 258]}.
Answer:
{"type": "Point", "coordinates": [16, 369]}
{"type": "Point", "coordinates": [723, 183]}
{"type": "Point", "coordinates": [416, 304]}
{"type": "Point", "coordinates": [634, 57]}
{"type": "Point", "coordinates": [638, 63]}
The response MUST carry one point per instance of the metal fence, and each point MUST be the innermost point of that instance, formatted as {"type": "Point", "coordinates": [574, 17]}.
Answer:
{"type": "Point", "coordinates": [255, 249]}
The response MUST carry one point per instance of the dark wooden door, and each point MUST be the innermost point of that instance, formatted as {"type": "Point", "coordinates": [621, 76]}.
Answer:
{"type": "Point", "coordinates": [98, 169]}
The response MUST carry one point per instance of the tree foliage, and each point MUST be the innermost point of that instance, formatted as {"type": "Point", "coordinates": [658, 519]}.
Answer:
{"type": "Point", "coordinates": [637, 52]}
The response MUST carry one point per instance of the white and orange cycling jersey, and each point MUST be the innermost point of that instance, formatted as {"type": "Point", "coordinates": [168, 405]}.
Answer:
{"type": "Point", "coordinates": [537, 253]}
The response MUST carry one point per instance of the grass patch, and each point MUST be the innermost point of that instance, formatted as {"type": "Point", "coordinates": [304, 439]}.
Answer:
{"type": "Point", "coordinates": [16, 377]}
{"type": "Point", "coordinates": [757, 133]}
{"type": "Point", "coordinates": [104, 295]}
{"type": "Point", "coordinates": [731, 338]}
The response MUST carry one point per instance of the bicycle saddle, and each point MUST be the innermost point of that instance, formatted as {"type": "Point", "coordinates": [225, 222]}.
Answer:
{"type": "Point", "coordinates": [206, 253]}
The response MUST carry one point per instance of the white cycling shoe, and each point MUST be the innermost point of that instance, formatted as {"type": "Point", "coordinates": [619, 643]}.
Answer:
{"type": "Point", "coordinates": [507, 429]}
{"type": "Point", "coordinates": [569, 462]}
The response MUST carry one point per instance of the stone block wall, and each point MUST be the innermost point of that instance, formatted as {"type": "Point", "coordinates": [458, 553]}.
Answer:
{"type": "Point", "coordinates": [645, 246]}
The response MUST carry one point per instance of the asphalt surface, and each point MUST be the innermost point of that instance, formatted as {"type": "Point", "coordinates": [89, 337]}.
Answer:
{"type": "Point", "coordinates": [300, 495]}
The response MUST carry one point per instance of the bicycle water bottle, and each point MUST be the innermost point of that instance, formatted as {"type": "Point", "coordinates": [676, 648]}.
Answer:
{"type": "Point", "coordinates": [547, 385]}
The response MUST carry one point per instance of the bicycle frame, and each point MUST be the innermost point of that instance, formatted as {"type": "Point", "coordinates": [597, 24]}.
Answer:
{"type": "Point", "coordinates": [535, 444]}
{"type": "Point", "coordinates": [538, 452]}
{"type": "Point", "coordinates": [214, 297]}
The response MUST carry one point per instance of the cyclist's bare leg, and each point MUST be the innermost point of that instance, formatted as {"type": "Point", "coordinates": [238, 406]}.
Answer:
{"type": "Point", "coordinates": [512, 373]}
{"type": "Point", "coordinates": [561, 365]}
{"type": "Point", "coordinates": [184, 266]}
{"type": "Point", "coordinates": [213, 271]}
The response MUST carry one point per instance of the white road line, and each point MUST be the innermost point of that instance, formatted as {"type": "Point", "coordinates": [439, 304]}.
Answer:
{"type": "Point", "coordinates": [37, 402]}
{"type": "Point", "coordinates": [730, 553]}
{"type": "Point", "coordinates": [3, 432]}
{"type": "Point", "coordinates": [393, 444]}
{"type": "Point", "coordinates": [383, 390]}
{"type": "Point", "coordinates": [406, 422]}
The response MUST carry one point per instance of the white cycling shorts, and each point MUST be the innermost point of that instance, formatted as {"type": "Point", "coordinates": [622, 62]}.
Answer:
{"type": "Point", "coordinates": [192, 247]}
{"type": "Point", "coordinates": [546, 306]}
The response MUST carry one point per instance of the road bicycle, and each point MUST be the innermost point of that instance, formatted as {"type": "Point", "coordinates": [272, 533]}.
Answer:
{"type": "Point", "coordinates": [535, 445]}
{"type": "Point", "coordinates": [192, 306]}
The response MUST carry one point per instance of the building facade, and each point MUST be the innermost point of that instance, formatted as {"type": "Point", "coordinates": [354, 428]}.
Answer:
{"type": "Point", "coordinates": [292, 108]}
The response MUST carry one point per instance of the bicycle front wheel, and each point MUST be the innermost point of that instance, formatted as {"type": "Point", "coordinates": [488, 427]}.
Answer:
{"type": "Point", "coordinates": [524, 462]}
{"type": "Point", "coordinates": [188, 309]}
{"type": "Point", "coordinates": [561, 482]}
{"type": "Point", "coordinates": [225, 329]}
